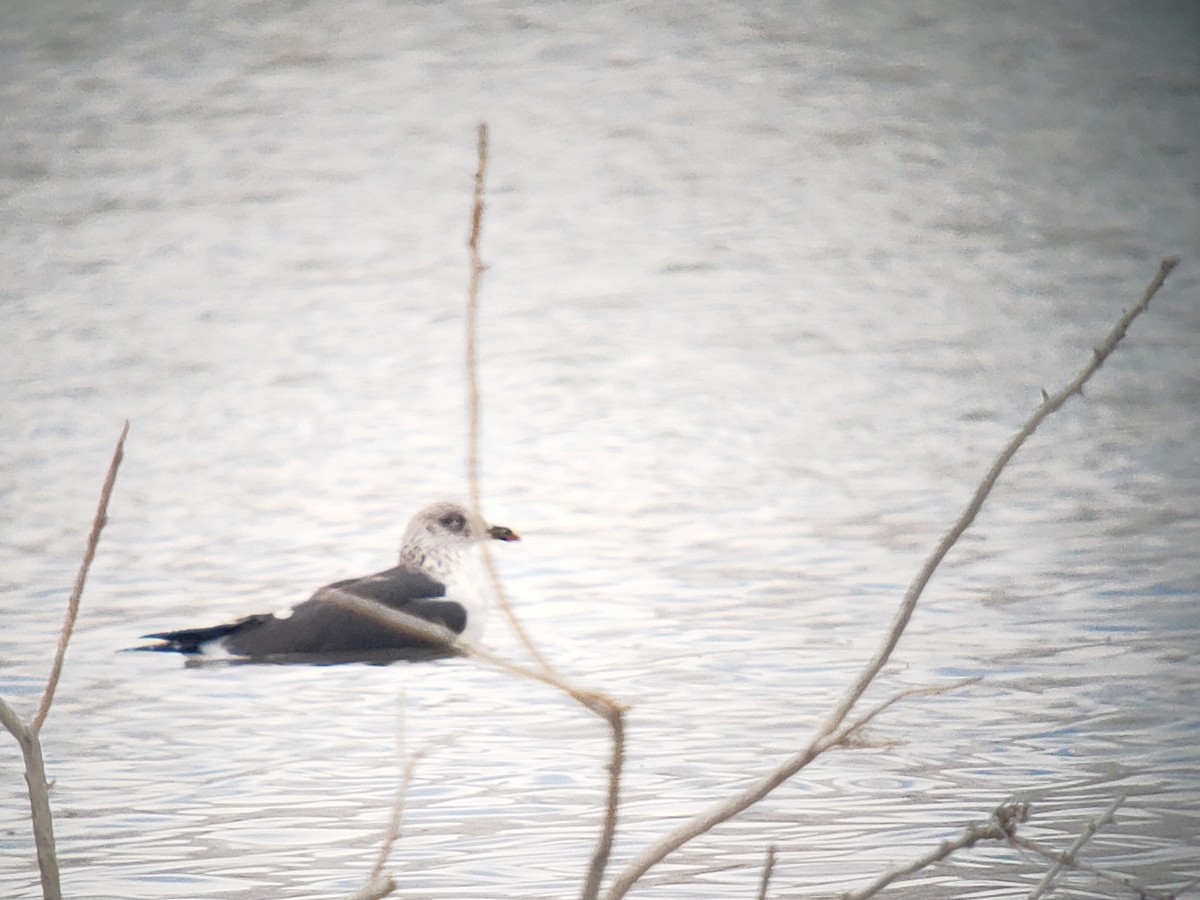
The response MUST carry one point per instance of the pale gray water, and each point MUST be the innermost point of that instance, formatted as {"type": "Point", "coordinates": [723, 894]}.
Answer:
{"type": "Point", "coordinates": [770, 285]}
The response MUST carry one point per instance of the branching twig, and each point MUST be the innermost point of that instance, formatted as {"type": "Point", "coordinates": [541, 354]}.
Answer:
{"type": "Point", "coordinates": [445, 639]}
{"type": "Point", "coordinates": [728, 808]}
{"type": "Point", "coordinates": [600, 704]}
{"type": "Point", "coordinates": [604, 707]}
{"type": "Point", "coordinates": [379, 885]}
{"type": "Point", "coordinates": [1068, 858]}
{"type": "Point", "coordinates": [1126, 881]}
{"type": "Point", "coordinates": [27, 735]}
{"type": "Point", "coordinates": [615, 716]}
{"type": "Point", "coordinates": [1050, 405]}
{"type": "Point", "coordinates": [731, 806]}
{"type": "Point", "coordinates": [768, 867]}
{"type": "Point", "coordinates": [997, 828]}
{"type": "Point", "coordinates": [595, 702]}
{"type": "Point", "coordinates": [39, 800]}
{"type": "Point", "coordinates": [478, 267]}
{"type": "Point", "coordinates": [68, 626]}
{"type": "Point", "coordinates": [1002, 826]}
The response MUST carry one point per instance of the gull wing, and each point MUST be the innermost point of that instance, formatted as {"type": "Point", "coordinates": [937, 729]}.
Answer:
{"type": "Point", "coordinates": [318, 626]}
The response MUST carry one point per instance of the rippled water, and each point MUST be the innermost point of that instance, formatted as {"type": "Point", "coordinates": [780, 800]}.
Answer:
{"type": "Point", "coordinates": [769, 286]}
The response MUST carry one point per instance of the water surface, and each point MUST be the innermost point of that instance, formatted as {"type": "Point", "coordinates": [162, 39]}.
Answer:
{"type": "Point", "coordinates": [768, 289]}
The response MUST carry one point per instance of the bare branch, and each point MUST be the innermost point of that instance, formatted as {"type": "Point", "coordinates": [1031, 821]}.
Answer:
{"type": "Point", "coordinates": [478, 267]}
{"type": "Point", "coordinates": [598, 704]}
{"type": "Point", "coordinates": [1126, 881]}
{"type": "Point", "coordinates": [11, 721]}
{"type": "Point", "coordinates": [379, 885]}
{"type": "Point", "coordinates": [997, 828]}
{"type": "Point", "coordinates": [442, 637]}
{"type": "Point", "coordinates": [1068, 858]}
{"type": "Point", "coordinates": [595, 702]}
{"type": "Point", "coordinates": [68, 626]}
{"type": "Point", "coordinates": [847, 730]}
{"type": "Point", "coordinates": [39, 800]}
{"type": "Point", "coordinates": [615, 716]}
{"type": "Point", "coordinates": [950, 538]}
{"type": "Point", "coordinates": [768, 868]}
{"type": "Point", "coordinates": [832, 726]}
{"type": "Point", "coordinates": [731, 806]}
{"type": "Point", "coordinates": [477, 270]}
{"type": "Point", "coordinates": [27, 735]}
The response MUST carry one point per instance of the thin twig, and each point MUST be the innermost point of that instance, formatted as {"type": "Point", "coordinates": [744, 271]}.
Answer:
{"type": "Point", "coordinates": [599, 859]}
{"type": "Point", "coordinates": [768, 867]}
{"type": "Point", "coordinates": [1068, 858]}
{"type": "Point", "coordinates": [1050, 405]}
{"type": "Point", "coordinates": [28, 735]}
{"type": "Point", "coordinates": [406, 769]}
{"type": "Point", "coordinates": [379, 885]}
{"type": "Point", "coordinates": [746, 798]}
{"type": "Point", "coordinates": [997, 828]}
{"type": "Point", "coordinates": [68, 626]}
{"type": "Point", "coordinates": [595, 702]}
{"type": "Point", "coordinates": [478, 267]}
{"type": "Point", "coordinates": [39, 800]}
{"type": "Point", "coordinates": [730, 807]}
{"type": "Point", "coordinates": [1126, 881]}
{"type": "Point", "coordinates": [445, 639]}
{"type": "Point", "coordinates": [602, 706]}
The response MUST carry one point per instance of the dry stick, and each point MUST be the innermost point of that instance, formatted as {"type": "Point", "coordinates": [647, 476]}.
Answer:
{"type": "Point", "coordinates": [39, 800]}
{"type": "Point", "coordinates": [478, 267]}
{"type": "Point", "coordinates": [819, 745]}
{"type": "Point", "coordinates": [1005, 819]}
{"type": "Point", "coordinates": [1126, 881]}
{"type": "Point", "coordinates": [615, 716]}
{"type": "Point", "coordinates": [442, 637]}
{"type": "Point", "coordinates": [997, 828]}
{"type": "Point", "coordinates": [68, 626]}
{"type": "Point", "coordinates": [730, 807]}
{"type": "Point", "coordinates": [604, 707]}
{"type": "Point", "coordinates": [379, 885]}
{"type": "Point", "coordinates": [1049, 406]}
{"type": "Point", "coordinates": [601, 705]}
{"type": "Point", "coordinates": [768, 868]}
{"type": "Point", "coordinates": [27, 735]}
{"type": "Point", "coordinates": [1068, 858]}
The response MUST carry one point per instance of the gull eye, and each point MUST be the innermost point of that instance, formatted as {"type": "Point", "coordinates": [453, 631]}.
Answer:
{"type": "Point", "coordinates": [453, 521]}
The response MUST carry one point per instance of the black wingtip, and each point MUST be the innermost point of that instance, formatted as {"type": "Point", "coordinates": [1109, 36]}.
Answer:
{"type": "Point", "coordinates": [188, 640]}
{"type": "Point", "coordinates": [161, 647]}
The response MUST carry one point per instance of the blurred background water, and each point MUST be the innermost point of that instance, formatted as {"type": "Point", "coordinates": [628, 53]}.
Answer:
{"type": "Point", "coordinates": [770, 284]}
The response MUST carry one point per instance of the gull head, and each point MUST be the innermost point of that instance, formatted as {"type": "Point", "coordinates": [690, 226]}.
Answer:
{"type": "Point", "coordinates": [441, 533]}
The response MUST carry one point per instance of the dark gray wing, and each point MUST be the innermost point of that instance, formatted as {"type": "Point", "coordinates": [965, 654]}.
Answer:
{"type": "Point", "coordinates": [319, 627]}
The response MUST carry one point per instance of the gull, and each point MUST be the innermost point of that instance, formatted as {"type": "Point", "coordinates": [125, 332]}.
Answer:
{"type": "Point", "coordinates": [439, 579]}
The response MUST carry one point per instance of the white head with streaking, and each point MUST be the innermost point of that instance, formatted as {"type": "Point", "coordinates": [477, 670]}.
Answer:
{"type": "Point", "coordinates": [441, 541]}
{"type": "Point", "coordinates": [440, 535]}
